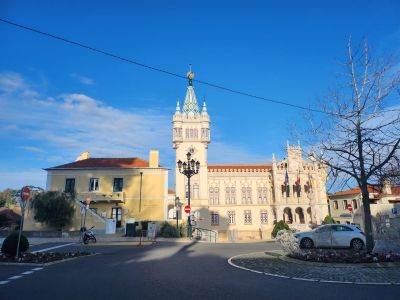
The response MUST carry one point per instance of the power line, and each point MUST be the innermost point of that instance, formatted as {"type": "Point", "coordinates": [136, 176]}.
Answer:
{"type": "Point", "coordinates": [131, 61]}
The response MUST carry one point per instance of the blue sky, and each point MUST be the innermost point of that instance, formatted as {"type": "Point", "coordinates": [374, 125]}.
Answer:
{"type": "Point", "coordinates": [57, 100]}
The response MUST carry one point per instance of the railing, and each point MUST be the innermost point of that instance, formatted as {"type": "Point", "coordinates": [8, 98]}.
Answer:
{"type": "Point", "coordinates": [207, 234]}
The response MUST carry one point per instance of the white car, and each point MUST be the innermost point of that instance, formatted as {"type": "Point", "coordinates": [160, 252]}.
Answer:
{"type": "Point", "coordinates": [332, 235]}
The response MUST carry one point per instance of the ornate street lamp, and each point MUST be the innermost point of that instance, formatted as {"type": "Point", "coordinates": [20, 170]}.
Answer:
{"type": "Point", "coordinates": [189, 168]}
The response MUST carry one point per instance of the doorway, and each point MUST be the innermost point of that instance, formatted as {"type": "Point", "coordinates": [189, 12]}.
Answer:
{"type": "Point", "coordinates": [116, 213]}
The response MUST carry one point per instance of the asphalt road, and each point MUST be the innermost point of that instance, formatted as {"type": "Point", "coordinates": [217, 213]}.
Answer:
{"type": "Point", "coordinates": [169, 271]}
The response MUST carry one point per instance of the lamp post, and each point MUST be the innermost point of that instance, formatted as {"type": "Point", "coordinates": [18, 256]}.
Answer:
{"type": "Point", "coordinates": [177, 212]}
{"type": "Point", "coordinates": [189, 168]}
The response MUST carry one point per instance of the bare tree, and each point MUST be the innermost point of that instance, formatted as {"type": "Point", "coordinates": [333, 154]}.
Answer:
{"type": "Point", "coordinates": [358, 134]}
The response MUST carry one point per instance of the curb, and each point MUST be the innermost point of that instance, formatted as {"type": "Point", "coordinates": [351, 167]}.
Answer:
{"type": "Point", "coordinates": [45, 264]}
{"type": "Point", "coordinates": [304, 279]}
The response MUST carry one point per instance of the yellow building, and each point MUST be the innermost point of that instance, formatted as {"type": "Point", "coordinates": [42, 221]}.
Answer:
{"type": "Point", "coordinates": [117, 188]}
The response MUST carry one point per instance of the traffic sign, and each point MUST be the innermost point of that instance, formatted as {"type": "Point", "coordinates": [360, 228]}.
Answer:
{"type": "Point", "coordinates": [187, 209]}
{"type": "Point", "coordinates": [25, 193]}
{"type": "Point", "coordinates": [394, 210]}
{"type": "Point", "coordinates": [349, 207]}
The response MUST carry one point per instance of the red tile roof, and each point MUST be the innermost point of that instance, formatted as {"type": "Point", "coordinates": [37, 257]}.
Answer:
{"type": "Point", "coordinates": [239, 167]}
{"type": "Point", "coordinates": [371, 189]}
{"type": "Point", "coordinates": [99, 163]}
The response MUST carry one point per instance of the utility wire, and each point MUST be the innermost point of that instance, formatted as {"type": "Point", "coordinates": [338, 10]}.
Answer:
{"type": "Point", "coordinates": [131, 61]}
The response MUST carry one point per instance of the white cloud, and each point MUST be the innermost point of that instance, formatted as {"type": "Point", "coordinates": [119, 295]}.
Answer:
{"type": "Point", "coordinates": [83, 79]}
{"type": "Point", "coordinates": [58, 129]}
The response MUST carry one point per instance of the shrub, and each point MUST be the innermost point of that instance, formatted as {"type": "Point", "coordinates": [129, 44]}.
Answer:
{"type": "Point", "coordinates": [288, 242]}
{"type": "Point", "coordinates": [329, 220]}
{"type": "Point", "coordinates": [279, 226]}
{"type": "Point", "coordinates": [167, 230]}
{"type": "Point", "coordinates": [9, 246]}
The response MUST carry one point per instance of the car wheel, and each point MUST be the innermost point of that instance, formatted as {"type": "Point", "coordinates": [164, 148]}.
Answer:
{"type": "Point", "coordinates": [307, 243]}
{"type": "Point", "coordinates": [357, 244]}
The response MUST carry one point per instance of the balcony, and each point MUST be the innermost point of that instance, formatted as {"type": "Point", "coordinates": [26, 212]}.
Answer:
{"type": "Point", "coordinates": [98, 197]}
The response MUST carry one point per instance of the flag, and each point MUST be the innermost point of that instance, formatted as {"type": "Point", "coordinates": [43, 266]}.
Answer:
{"type": "Point", "coordinates": [298, 177]}
{"type": "Point", "coordinates": [286, 178]}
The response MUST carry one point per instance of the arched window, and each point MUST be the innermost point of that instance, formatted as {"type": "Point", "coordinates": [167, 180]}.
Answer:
{"type": "Point", "coordinates": [187, 133]}
{"type": "Point", "coordinates": [195, 132]}
{"type": "Point", "coordinates": [191, 133]}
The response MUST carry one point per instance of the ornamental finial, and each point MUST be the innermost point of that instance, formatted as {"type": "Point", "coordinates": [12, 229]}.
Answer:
{"type": "Point", "coordinates": [190, 75]}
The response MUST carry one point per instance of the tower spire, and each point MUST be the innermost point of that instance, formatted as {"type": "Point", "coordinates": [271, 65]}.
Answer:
{"type": "Point", "coordinates": [190, 107]}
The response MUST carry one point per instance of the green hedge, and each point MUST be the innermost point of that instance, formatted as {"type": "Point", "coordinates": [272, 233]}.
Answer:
{"type": "Point", "coordinates": [168, 231]}
{"type": "Point", "coordinates": [279, 226]}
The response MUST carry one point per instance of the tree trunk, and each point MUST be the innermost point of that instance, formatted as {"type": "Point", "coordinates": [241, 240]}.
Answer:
{"type": "Point", "coordinates": [367, 218]}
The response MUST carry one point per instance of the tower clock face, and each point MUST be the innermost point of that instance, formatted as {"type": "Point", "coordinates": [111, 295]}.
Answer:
{"type": "Point", "coordinates": [191, 149]}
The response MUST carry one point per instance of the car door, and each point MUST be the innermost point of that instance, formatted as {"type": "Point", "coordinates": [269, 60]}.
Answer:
{"type": "Point", "coordinates": [341, 236]}
{"type": "Point", "coordinates": [323, 236]}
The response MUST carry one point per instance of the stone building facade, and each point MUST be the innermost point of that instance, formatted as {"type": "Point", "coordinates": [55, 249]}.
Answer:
{"type": "Point", "coordinates": [244, 201]}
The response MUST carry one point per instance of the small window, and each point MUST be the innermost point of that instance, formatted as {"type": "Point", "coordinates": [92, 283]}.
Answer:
{"type": "Point", "coordinates": [118, 184]}
{"type": "Point", "coordinates": [69, 185]}
{"type": "Point", "coordinates": [196, 191]}
{"type": "Point", "coordinates": [231, 217]}
{"type": "Point", "coordinates": [335, 204]}
{"type": "Point", "coordinates": [355, 204]}
{"type": "Point", "coordinates": [214, 219]}
{"type": "Point", "coordinates": [93, 184]}
{"type": "Point", "coordinates": [344, 204]}
{"type": "Point", "coordinates": [247, 217]}
{"type": "Point", "coordinates": [264, 217]}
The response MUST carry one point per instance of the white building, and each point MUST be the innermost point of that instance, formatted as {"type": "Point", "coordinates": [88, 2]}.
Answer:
{"type": "Point", "coordinates": [244, 201]}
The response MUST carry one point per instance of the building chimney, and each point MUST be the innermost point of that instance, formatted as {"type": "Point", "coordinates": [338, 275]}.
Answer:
{"type": "Point", "coordinates": [153, 159]}
{"type": "Point", "coordinates": [84, 155]}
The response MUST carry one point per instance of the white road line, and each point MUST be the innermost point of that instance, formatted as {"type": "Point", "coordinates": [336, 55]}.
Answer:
{"type": "Point", "coordinates": [37, 269]}
{"type": "Point", "coordinates": [16, 277]}
{"type": "Point", "coordinates": [27, 272]}
{"type": "Point", "coordinates": [4, 282]}
{"type": "Point", "coordinates": [55, 247]}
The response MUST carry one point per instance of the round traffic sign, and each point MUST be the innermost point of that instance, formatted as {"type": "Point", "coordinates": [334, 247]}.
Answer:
{"type": "Point", "coordinates": [187, 209]}
{"type": "Point", "coordinates": [349, 207]}
{"type": "Point", "coordinates": [25, 193]}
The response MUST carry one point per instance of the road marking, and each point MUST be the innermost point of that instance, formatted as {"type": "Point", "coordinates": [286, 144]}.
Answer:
{"type": "Point", "coordinates": [305, 279]}
{"type": "Point", "coordinates": [3, 282]}
{"type": "Point", "coordinates": [37, 269]}
{"type": "Point", "coordinates": [27, 272]}
{"type": "Point", "coordinates": [16, 277]}
{"type": "Point", "coordinates": [55, 247]}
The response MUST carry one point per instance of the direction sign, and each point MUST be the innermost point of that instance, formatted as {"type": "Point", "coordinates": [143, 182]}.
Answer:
{"type": "Point", "coordinates": [349, 207]}
{"type": "Point", "coordinates": [394, 210]}
{"type": "Point", "coordinates": [25, 193]}
{"type": "Point", "coordinates": [187, 209]}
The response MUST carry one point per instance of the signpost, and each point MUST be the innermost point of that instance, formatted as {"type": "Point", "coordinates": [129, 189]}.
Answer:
{"type": "Point", "coordinates": [25, 196]}
{"type": "Point", "coordinates": [394, 210]}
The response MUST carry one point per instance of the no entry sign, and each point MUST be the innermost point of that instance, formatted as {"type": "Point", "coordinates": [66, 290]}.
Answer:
{"type": "Point", "coordinates": [349, 207]}
{"type": "Point", "coordinates": [187, 209]}
{"type": "Point", "coordinates": [25, 193]}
